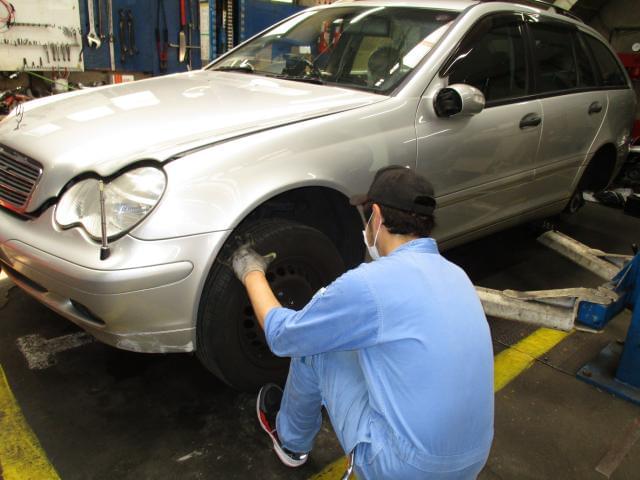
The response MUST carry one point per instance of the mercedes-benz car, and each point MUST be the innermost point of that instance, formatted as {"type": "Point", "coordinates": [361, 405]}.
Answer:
{"type": "Point", "coordinates": [120, 205]}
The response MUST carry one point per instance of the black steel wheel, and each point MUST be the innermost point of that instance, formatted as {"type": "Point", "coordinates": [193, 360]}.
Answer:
{"type": "Point", "coordinates": [230, 342]}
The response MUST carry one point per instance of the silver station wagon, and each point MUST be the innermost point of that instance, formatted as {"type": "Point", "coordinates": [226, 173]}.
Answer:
{"type": "Point", "coordinates": [120, 205]}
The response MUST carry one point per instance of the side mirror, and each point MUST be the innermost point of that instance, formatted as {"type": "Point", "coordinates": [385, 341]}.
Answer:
{"type": "Point", "coordinates": [458, 99]}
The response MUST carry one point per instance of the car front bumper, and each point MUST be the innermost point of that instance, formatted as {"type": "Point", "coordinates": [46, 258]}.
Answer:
{"type": "Point", "coordinates": [143, 298]}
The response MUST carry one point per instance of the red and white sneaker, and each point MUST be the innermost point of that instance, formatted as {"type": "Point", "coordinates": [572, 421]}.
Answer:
{"type": "Point", "coordinates": [267, 407]}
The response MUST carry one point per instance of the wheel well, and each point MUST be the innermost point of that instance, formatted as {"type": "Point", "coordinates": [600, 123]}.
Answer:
{"type": "Point", "coordinates": [598, 173]}
{"type": "Point", "coordinates": [324, 209]}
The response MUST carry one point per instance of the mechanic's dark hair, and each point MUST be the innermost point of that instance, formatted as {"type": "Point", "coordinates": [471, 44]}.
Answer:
{"type": "Point", "coordinates": [402, 222]}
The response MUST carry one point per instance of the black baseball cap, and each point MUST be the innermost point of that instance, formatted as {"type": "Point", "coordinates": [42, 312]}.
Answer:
{"type": "Point", "coordinates": [401, 188]}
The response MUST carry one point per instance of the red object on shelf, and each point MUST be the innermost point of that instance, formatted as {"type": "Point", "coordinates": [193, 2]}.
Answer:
{"type": "Point", "coordinates": [631, 62]}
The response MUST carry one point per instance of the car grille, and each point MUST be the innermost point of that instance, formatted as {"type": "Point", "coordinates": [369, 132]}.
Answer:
{"type": "Point", "coordinates": [19, 176]}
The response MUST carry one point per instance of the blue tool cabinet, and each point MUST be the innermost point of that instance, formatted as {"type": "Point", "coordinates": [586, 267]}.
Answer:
{"type": "Point", "coordinates": [145, 21]}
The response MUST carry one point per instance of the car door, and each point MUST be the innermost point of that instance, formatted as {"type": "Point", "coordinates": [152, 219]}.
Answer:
{"type": "Point", "coordinates": [572, 105]}
{"type": "Point", "coordinates": [482, 166]}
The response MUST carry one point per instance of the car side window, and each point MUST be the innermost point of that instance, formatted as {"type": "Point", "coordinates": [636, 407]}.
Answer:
{"type": "Point", "coordinates": [610, 72]}
{"type": "Point", "coordinates": [553, 54]}
{"type": "Point", "coordinates": [587, 76]}
{"type": "Point", "coordinates": [493, 59]}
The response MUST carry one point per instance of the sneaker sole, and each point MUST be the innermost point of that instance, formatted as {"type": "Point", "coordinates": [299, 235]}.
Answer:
{"type": "Point", "coordinates": [284, 458]}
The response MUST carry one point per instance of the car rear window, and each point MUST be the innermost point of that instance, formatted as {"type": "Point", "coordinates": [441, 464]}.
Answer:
{"type": "Point", "coordinates": [587, 74]}
{"type": "Point", "coordinates": [611, 74]}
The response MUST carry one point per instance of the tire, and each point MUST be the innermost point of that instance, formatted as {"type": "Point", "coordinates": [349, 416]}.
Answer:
{"type": "Point", "coordinates": [596, 177]}
{"type": "Point", "coordinates": [576, 202]}
{"type": "Point", "coordinates": [230, 342]}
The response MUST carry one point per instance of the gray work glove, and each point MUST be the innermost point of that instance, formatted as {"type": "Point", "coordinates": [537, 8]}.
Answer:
{"type": "Point", "coordinates": [246, 260]}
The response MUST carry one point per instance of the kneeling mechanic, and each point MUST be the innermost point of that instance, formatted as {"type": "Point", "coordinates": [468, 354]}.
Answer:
{"type": "Point", "coordinates": [398, 350]}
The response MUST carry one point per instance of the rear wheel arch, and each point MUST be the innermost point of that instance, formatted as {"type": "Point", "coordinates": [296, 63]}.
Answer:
{"type": "Point", "coordinates": [599, 171]}
{"type": "Point", "coordinates": [595, 177]}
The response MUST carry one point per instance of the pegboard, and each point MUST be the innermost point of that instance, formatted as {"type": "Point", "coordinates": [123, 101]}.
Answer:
{"type": "Point", "coordinates": [144, 17]}
{"type": "Point", "coordinates": [45, 35]}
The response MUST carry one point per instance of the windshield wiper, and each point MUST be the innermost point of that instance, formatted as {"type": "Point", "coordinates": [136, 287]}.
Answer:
{"type": "Point", "coordinates": [298, 78]}
{"type": "Point", "coordinates": [247, 68]}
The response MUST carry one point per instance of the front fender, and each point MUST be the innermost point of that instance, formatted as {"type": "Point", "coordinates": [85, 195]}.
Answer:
{"type": "Point", "coordinates": [214, 189]}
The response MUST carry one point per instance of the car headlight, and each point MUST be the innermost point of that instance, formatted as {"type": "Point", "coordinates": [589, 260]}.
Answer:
{"type": "Point", "coordinates": [127, 200]}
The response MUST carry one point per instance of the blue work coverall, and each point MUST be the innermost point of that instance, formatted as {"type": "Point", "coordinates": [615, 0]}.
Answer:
{"type": "Point", "coordinates": [400, 354]}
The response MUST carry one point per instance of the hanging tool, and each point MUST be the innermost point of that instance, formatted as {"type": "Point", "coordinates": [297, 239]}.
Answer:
{"type": "Point", "coordinates": [123, 38]}
{"type": "Point", "coordinates": [132, 35]}
{"type": "Point", "coordinates": [112, 55]}
{"type": "Point", "coordinates": [39, 25]}
{"type": "Point", "coordinates": [182, 46]}
{"type": "Point", "coordinates": [194, 25]}
{"type": "Point", "coordinates": [101, 20]}
{"type": "Point", "coordinates": [189, 31]}
{"type": "Point", "coordinates": [162, 36]}
{"type": "Point", "coordinates": [92, 39]}
{"type": "Point", "coordinates": [182, 36]}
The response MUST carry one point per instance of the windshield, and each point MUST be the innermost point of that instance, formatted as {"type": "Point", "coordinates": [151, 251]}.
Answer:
{"type": "Point", "coordinates": [370, 48]}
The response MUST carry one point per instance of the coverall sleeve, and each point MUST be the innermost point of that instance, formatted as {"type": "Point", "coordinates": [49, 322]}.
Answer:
{"type": "Point", "coordinates": [343, 316]}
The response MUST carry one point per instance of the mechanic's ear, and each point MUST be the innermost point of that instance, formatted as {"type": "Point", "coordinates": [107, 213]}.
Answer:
{"type": "Point", "coordinates": [377, 213]}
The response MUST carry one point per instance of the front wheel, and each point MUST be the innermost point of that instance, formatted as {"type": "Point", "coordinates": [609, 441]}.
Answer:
{"type": "Point", "coordinates": [230, 342]}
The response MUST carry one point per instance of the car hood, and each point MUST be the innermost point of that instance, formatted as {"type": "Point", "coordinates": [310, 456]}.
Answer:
{"type": "Point", "coordinates": [105, 129]}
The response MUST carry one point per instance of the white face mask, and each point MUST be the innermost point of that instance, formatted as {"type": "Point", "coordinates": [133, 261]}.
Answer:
{"type": "Point", "coordinates": [373, 250]}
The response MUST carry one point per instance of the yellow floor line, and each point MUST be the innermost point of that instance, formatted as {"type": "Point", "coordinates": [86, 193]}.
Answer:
{"type": "Point", "coordinates": [507, 365]}
{"type": "Point", "coordinates": [334, 471]}
{"type": "Point", "coordinates": [21, 456]}
{"type": "Point", "coordinates": [510, 363]}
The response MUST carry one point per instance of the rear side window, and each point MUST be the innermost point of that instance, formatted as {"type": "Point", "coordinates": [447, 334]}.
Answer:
{"type": "Point", "coordinates": [493, 59]}
{"type": "Point", "coordinates": [587, 76]}
{"type": "Point", "coordinates": [610, 73]}
{"type": "Point", "coordinates": [553, 53]}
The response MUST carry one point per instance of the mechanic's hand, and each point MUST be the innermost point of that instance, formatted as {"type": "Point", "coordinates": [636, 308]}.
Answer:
{"type": "Point", "coordinates": [246, 260]}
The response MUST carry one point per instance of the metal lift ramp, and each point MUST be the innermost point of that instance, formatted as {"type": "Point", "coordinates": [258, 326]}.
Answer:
{"type": "Point", "coordinates": [617, 367]}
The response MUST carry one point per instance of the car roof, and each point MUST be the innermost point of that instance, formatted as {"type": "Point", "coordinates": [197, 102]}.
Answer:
{"type": "Point", "coordinates": [455, 5]}
{"type": "Point", "coordinates": [542, 7]}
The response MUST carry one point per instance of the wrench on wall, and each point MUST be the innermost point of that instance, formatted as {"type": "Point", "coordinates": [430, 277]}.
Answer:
{"type": "Point", "coordinates": [112, 55]}
{"type": "Point", "coordinates": [93, 40]}
{"type": "Point", "coordinates": [101, 20]}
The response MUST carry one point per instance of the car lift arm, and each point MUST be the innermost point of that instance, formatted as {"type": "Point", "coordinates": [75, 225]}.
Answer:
{"type": "Point", "coordinates": [617, 369]}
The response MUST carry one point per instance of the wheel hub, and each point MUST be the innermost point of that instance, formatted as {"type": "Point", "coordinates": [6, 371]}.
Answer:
{"type": "Point", "coordinates": [293, 283]}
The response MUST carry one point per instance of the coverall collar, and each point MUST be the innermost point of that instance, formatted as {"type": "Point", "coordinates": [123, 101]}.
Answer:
{"type": "Point", "coordinates": [419, 245]}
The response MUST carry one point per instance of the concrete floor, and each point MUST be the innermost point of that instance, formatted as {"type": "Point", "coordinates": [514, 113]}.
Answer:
{"type": "Point", "coordinates": [101, 413]}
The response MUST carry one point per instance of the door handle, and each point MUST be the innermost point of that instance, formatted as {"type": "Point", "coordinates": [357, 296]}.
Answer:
{"type": "Point", "coordinates": [530, 120]}
{"type": "Point", "coordinates": [595, 107]}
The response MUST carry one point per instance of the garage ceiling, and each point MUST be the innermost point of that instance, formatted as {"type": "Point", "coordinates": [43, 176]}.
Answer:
{"type": "Point", "coordinates": [587, 9]}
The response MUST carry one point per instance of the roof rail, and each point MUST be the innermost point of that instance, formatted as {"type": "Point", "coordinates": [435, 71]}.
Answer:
{"type": "Point", "coordinates": [541, 4]}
